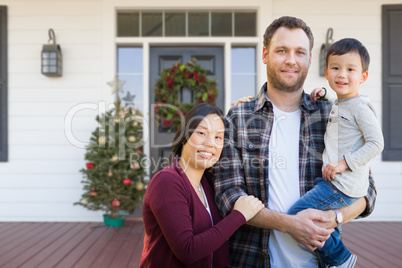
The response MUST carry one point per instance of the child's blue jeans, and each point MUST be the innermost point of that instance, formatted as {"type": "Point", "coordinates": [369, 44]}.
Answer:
{"type": "Point", "coordinates": [324, 196]}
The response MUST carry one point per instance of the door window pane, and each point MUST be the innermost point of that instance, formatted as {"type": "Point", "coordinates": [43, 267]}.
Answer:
{"type": "Point", "coordinates": [130, 70]}
{"type": "Point", "coordinates": [245, 24]}
{"type": "Point", "coordinates": [198, 24]}
{"type": "Point", "coordinates": [175, 24]}
{"type": "Point", "coordinates": [243, 72]}
{"type": "Point", "coordinates": [128, 24]}
{"type": "Point", "coordinates": [221, 24]}
{"type": "Point", "coordinates": [152, 24]}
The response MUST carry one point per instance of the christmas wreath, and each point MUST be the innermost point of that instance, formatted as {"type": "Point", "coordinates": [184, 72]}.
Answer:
{"type": "Point", "coordinates": [168, 108]}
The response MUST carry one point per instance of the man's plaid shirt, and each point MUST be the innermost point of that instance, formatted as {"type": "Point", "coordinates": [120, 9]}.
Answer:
{"type": "Point", "coordinates": [243, 167]}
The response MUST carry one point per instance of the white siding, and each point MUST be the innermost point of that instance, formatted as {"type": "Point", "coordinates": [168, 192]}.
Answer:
{"type": "Point", "coordinates": [41, 180]}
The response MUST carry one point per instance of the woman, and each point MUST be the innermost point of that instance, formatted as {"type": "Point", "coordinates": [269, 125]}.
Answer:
{"type": "Point", "coordinates": [183, 227]}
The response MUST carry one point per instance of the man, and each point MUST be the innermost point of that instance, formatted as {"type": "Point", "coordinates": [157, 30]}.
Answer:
{"type": "Point", "coordinates": [273, 151]}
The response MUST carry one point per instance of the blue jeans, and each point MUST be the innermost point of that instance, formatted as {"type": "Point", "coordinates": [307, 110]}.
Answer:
{"type": "Point", "coordinates": [324, 196]}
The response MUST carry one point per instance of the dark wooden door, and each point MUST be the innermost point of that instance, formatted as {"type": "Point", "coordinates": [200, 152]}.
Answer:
{"type": "Point", "coordinates": [210, 58]}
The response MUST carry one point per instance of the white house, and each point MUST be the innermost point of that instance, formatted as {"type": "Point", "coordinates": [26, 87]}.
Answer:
{"type": "Point", "coordinates": [46, 121]}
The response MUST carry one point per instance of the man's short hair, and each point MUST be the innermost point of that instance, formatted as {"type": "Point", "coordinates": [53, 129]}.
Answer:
{"type": "Point", "coordinates": [290, 23]}
{"type": "Point", "coordinates": [347, 45]}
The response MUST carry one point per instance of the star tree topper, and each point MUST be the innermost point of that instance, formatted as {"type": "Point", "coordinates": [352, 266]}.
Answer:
{"type": "Point", "coordinates": [116, 85]}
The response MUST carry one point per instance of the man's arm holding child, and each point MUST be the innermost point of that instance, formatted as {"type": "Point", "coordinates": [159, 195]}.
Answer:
{"type": "Point", "coordinates": [309, 227]}
{"type": "Point", "coordinates": [313, 227]}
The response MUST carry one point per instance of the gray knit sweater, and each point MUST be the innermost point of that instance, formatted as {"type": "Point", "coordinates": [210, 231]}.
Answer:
{"type": "Point", "coordinates": [353, 134]}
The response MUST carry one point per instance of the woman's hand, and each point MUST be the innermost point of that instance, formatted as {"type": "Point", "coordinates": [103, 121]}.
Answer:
{"type": "Point", "coordinates": [242, 100]}
{"type": "Point", "coordinates": [318, 93]}
{"type": "Point", "coordinates": [248, 205]}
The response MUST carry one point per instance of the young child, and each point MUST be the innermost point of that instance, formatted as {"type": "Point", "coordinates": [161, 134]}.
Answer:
{"type": "Point", "coordinates": [353, 137]}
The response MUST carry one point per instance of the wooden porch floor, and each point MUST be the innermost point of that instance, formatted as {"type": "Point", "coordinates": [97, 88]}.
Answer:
{"type": "Point", "coordinates": [33, 244]}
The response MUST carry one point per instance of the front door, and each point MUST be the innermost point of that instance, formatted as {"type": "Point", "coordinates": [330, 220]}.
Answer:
{"type": "Point", "coordinates": [210, 58]}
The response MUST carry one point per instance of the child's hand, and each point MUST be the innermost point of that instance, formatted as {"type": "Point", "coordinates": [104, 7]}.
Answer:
{"type": "Point", "coordinates": [242, 100]}
{"type": "Point", "coordinates": [318, 93]}
{"type": "Point", "coordinates": [331, 169]}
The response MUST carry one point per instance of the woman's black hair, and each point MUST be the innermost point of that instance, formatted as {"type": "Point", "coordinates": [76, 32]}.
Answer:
{"type": "Point", "coordinates": [190, 123]}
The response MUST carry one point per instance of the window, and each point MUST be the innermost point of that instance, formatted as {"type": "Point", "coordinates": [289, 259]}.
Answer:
{"type": "Point", "coordinates": [243, 72]}
{"type": "Point", "coordinates": [126, 23]}
{"type": "Point", "coordinates": [130, 70]}
{"type": "Point", "coordinates": [3, 85]}
{"type": "Point", "coordinates": [221, 24]}
{"type": "Point", "coordinates": [190, 23]}
{"type": "Point", "coordinates": [175, 24]}
{"type": "Point", "coordinates": [198, 24]}
{"type": "Point", "coordinates": [245, 24]}
{"type": "Point", "coordinates": [151, 24]}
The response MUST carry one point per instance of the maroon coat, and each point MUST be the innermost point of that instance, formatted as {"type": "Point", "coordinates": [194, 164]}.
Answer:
{"type": "Point", "coordinates": [178, 229]}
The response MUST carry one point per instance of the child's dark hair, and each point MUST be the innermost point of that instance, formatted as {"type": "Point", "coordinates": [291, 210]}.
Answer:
{"type": "Point", "coordinates": [347, 45]}
{"type": "Point", "coordinates": [189, 124]}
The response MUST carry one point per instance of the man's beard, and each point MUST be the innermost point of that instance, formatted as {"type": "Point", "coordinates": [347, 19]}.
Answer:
{"type": "Point", "coordinates": [282, 84]}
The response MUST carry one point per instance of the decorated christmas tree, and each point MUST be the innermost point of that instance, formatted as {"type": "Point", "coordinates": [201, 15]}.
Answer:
{"type": "Point", "coordinates": [114, 174]}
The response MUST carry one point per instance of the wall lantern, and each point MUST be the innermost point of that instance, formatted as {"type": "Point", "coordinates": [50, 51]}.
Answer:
{"type": "Point", "coordinates": [324, 50]}
{"type": "Point", "coordinates": [52, 59]}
